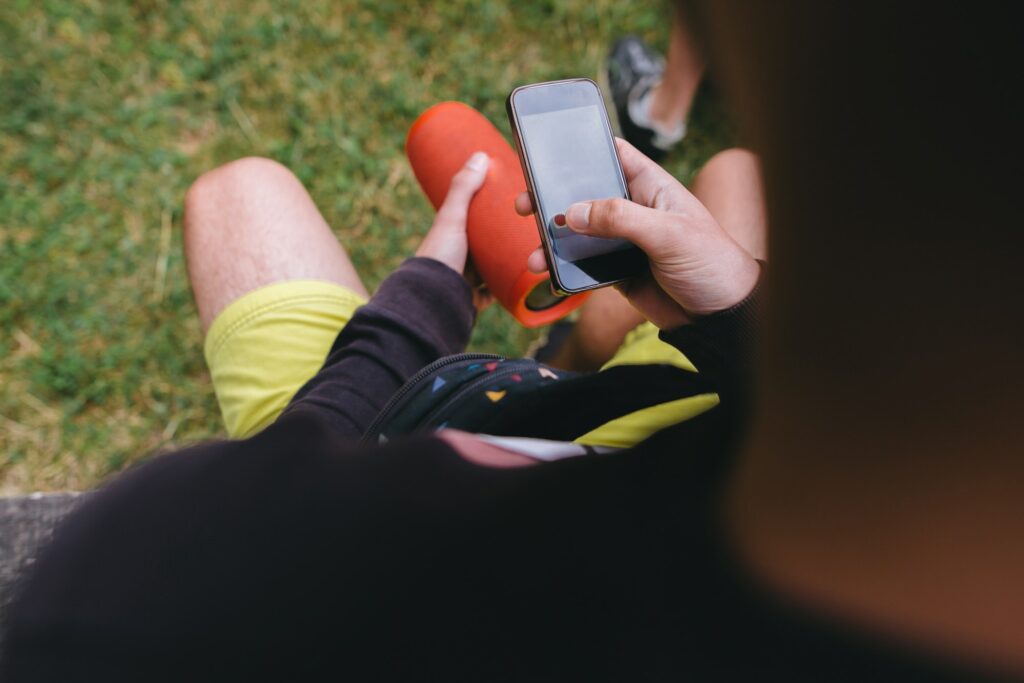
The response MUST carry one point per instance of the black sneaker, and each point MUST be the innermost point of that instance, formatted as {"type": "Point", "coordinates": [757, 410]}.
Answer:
{"type": "Point", "coordinates": [633, 70]}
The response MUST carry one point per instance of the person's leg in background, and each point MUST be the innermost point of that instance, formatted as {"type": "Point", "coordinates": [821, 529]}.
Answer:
{"type": "Point", "coordinates": [653, 97]}
{"type": "Point", "coordinates": [672, 98]}
{"type": "Point", "coordinates": [730, 186]}
{"type": "Point", "coordinates": [272, 285]}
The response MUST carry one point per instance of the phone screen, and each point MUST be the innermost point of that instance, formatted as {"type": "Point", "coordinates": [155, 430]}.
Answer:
{"type": "Point", "coordinates": [572, 160]}
{"type": "Point", "coordinates": [569, 152]}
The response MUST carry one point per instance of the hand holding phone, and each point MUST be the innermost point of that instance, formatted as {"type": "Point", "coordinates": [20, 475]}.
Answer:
{"type": "Point", "coordinates": [696, 268]}
{"type": "Point", "coordinates": [568, 155]}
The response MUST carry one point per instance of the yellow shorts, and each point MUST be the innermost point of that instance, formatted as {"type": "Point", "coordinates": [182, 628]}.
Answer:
{"type": "Point", "coordinates": [267, 343]}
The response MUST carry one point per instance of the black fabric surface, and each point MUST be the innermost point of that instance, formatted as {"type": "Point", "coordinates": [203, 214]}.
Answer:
{"type": "Point", "coordinates": [299, 554]}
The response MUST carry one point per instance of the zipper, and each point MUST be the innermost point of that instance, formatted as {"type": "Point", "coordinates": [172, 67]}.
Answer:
{"type": "Point", "coordinates": [403, 391]}
{"type": "Point", "coordinates": [466, 390]}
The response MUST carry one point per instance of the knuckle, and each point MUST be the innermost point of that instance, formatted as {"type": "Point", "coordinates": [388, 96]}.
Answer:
{"type": "Point", "coordinates": [615, 212]}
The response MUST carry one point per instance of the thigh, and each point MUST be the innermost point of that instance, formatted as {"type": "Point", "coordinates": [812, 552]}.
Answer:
{"type": "Point", "coordinates": [251, 223]}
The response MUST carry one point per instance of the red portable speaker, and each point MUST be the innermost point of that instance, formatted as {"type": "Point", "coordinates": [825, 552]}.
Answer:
{"type": "Point", "coordinates": [439, 143]}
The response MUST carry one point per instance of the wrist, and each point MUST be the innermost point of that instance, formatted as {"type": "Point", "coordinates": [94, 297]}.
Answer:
{"type": "Point", "coordinates": [745, 280]}
{"type": "Point", "coordinates": [447, 263]}
{"type": "Point", "coordinates": [736, 282]}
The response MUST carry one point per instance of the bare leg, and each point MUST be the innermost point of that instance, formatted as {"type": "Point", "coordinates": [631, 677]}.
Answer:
{"type": "Point", "coordinates": [729, 185]}
{"type": "Point", "coordinates": [684, 67]}
{"type": "Point", "coordinates": [250, 223]}
{"type": "Point", "coordinates": [604, 321]}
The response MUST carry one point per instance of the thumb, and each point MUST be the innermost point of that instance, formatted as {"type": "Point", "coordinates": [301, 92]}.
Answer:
{"type": "Point", "coordinates": [622, 219]}
{"type": "Point", "coordinates": [464, 185]}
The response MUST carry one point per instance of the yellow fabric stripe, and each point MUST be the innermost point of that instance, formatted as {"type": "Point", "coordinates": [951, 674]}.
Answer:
{"type": "Point", "coordinates": [643, 347]}
{"type": "Point", "coordinates": [631, 429]}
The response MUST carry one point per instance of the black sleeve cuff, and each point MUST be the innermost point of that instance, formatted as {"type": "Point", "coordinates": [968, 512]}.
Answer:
{"type": "Point", "coordinates": [431, 299]}
{"type": "Point", "coordinates": [722, 345]}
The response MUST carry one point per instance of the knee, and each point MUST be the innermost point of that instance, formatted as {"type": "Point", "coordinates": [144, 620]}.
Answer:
{"type": "Point", "coordinates": [233, 181]}
{"type": "Point", "coordinates": [730, 168]}
{"type": "Point", "coordinates": [731, 162]}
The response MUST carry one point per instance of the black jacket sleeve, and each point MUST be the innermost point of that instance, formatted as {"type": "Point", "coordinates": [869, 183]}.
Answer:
{"type": "Point", "coordinates": [721, 346]}
{"type": "Point", "coordinates": [422, 312]}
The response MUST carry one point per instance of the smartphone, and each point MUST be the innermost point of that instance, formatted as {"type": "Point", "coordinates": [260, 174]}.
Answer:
{"type": "Point", "coordinates": [568, 154]}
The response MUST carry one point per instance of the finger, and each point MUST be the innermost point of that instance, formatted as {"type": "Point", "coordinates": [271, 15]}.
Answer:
{"type": "Point", "coordinates": [648, 182]}
{"type": "Point", "coordinates": [465, 184]}
{"type": "Point", "coordinates": [536, 263]}
{"type": "Point", "coordinates": [647, 228]}
{"type": "Point", "coordinates": [524, 207]}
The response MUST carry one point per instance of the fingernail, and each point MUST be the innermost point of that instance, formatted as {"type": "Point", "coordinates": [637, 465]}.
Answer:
{"type": "Point", "coordinates": [578, 215]}
{"type": "Point", "coordinates": [479, 161]}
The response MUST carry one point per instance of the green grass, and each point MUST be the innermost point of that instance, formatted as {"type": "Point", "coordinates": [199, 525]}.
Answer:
{"type": "Point", "coordinates": [111, 108]}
